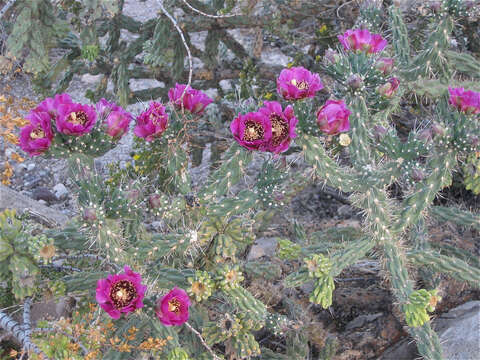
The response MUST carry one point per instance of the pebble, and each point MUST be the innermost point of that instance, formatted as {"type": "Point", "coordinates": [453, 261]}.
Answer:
{"type": "Point", "coordinates": [262, 247]}
{"type": "Point", "coordinates": [42, 193]}
{"type": "Point", "coordinates": [60, 191]}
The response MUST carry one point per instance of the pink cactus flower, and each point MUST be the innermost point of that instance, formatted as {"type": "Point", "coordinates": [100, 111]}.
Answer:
{"type": "Point", "coordinates": [51, 105]}
{"type": "Point", "coordinates": [332, 118]}
{"type": "Point", "coordinates": [385, 65]}
{"type": "Point", "coordinates": [283, 126]}
{"type": "Point", "coordinates": [465, 101]}
{"type": "Point", "coordinates": [362, 40]}
{"type": "Point", "coordinates": [253, 130]}
{"type": "Point", "coordinates": [298, 83]}
{"type": "Point", "coordinates": [115, 118]}
{"type": "Point", "coordinates": [36, 137]}
{"type": "Point", "coordinates": [75, 119]}
{"type": "Point", "coordinates": [152, 122]}
{"type": "Point", "coordinates": [172, 309]}
{"type": "Point", "coordinates": [194, 101]}
{"type": "Point", "coordinates": [389, 88]}
{"type": "Point", "coordinates": [121, 293]}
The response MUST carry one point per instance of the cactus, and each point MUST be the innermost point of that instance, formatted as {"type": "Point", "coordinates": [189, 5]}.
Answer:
{"type": "Point", "coordinates": [206, 228]}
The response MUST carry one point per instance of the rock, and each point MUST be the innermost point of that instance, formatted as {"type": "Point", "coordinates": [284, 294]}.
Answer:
{"type": "Point", "coordinates": [10, 199]}
{"type": "Point", "coordinates": [459, 332]}
{"type": "Point", "coordinates": [359, 321]}
{"type": "Point", "coordinates": [42, 193]}
{"type": "Point", "coordinates": [262, 247]}
{"type": "Point", "coordinates": [60, 191]}
{"type": "Point", "coordinates": [30, 166]}
{"type": "Point", "coordinates": [158, 225]}
{"type": "Point", "coordinates": [346, 211]}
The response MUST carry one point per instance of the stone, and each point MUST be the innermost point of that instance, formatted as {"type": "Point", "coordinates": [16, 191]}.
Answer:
{"type": "Point", "coordinates": [11, 199]}
{"type": "Point", "coordinates": [361, 320]}
{"type": "Point", "coordinates": [262, 247]}
{"type": "Point", "coordinates": [42, 193]}
{"type": "Point", "coordinates": [30, 166]}
{"type": "Point", "coordinates": [459, 332]}
{"type": "Point", "coordinates": [60, 191]}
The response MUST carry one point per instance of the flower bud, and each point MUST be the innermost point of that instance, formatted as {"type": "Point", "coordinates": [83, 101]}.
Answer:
{"type": "Point", "coordinates": [436, 6]}
{"type": "Point", "coordinates": [389, 88]}
{"type": "Point", "coordinates": [438, 129]}
{"type": "Point", "coordinates": [418, 175]}
{"type": "Point", "coordinates": [331, 57]}
{"type": "Point", "coordinates": [425, 135]}
{"type": "Point", "coordinates": [155, 201]}
{"type": "Point", "coordinates": [475, 141]}
{"type": "Point", "coordinates": [89, 215]}
{"type": "Point", "coordinates": [133, 195]}
{"type": "Point", "coordinates": [384, 65]}
{"type": "Point", "coordinates": [379, 131]}
{"type": "Point", "coordinates": [355, 82]}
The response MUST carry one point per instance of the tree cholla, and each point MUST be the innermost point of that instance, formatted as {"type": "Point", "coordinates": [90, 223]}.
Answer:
{"type": "Point", "coordinates": [181, 291]}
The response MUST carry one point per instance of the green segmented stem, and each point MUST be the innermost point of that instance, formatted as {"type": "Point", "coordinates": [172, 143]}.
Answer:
{"type": "Point", "coordinates": [400, 36]}
{"type": "Point", "coordinates": [433, 54]}
{"type": "Point", "coordinates": [457, 216]}
{"type": "Point", "coordinates": [229, 173]}
{"type": "Point", "coordinates": [427, 341]}
{"type": "Point", "coordinates": [340, 178]}
{"type": "Point", "coordinates": [455, 267]}
{"type": "Point", "coordinates": [355, 251]}
{"type": "Point", "coordinates": [426, 190]}
{"type": "Point", "coordinates": [360, 152]}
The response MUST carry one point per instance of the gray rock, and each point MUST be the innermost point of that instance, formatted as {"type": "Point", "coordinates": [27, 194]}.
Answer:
{"type": "Point", "coordinates": [60, 191]}
{"type": "Point", "coordinates": [346, 211]}
{"type": "Point", "coordinates": [10, 199]}
{"type": "Point", "coordinates": [31, 166]}
{"type": "Point", "coordinates": [459, 332]}
{"type": "Point", "coordinates": [42, 193]}
{"type": "Point", "coordinates": [262, 247]}
{"type": "Point", "coordinates": [158, 225]}
{"type": "Point", "coordinates": [361, 320]}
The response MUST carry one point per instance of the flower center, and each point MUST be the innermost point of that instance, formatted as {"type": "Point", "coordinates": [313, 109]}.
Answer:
{"type": "Point", "coordinates": [198, 287]}
{"type": "Point", "coordinates": [279, 129]}
{"type": "Point", "coordinates": [302, 85]}
{"type": "Point", "coordinates": [231, 276]}
{"type": "Point", "coordinates": [122, 293]}
{"type": "Point", "coordinates": [174, 306]}
{"type": "Point", "coordinates": [37, 134]}
{"type": "Point", "coordinates": [78, 118]}
{"type": "Point", "coordinates": [253, 131]}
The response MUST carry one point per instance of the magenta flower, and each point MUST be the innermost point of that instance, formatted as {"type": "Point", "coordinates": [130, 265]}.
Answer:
{"type": "Point", "coordinates": [115, 118]}
{"type": "Point", "coordinates": [121, 293]}
{"type": "Point", "coordinates": [465, 101]}
{"type": "Point", "coordinates": [362, 40]}
{"type": "Point", "coordinates": [298, 83]}
{"type": "Point", "coordinates": [194, 101]}
{"type": "Point", "coordinates": [172, 309]}
{"type": "Point", "coordinates": [253, 130]}
{"type": "Point", "coordinates": [389, 88]}
{"type": "Point", "coordinates": [36, 137]}
{"type": "Point", "coordinates": [75, 119]}
{"type": "Point", "coordinates": [283, 126]}
{"type": "Point", "coordinates": [385, 65]}
{"type": "Point", "coordinates": [51, 105]}
{"type": "Point", "coordinates": [332, 118]}
{"type": "Point", "coordinates": [152, 122]}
